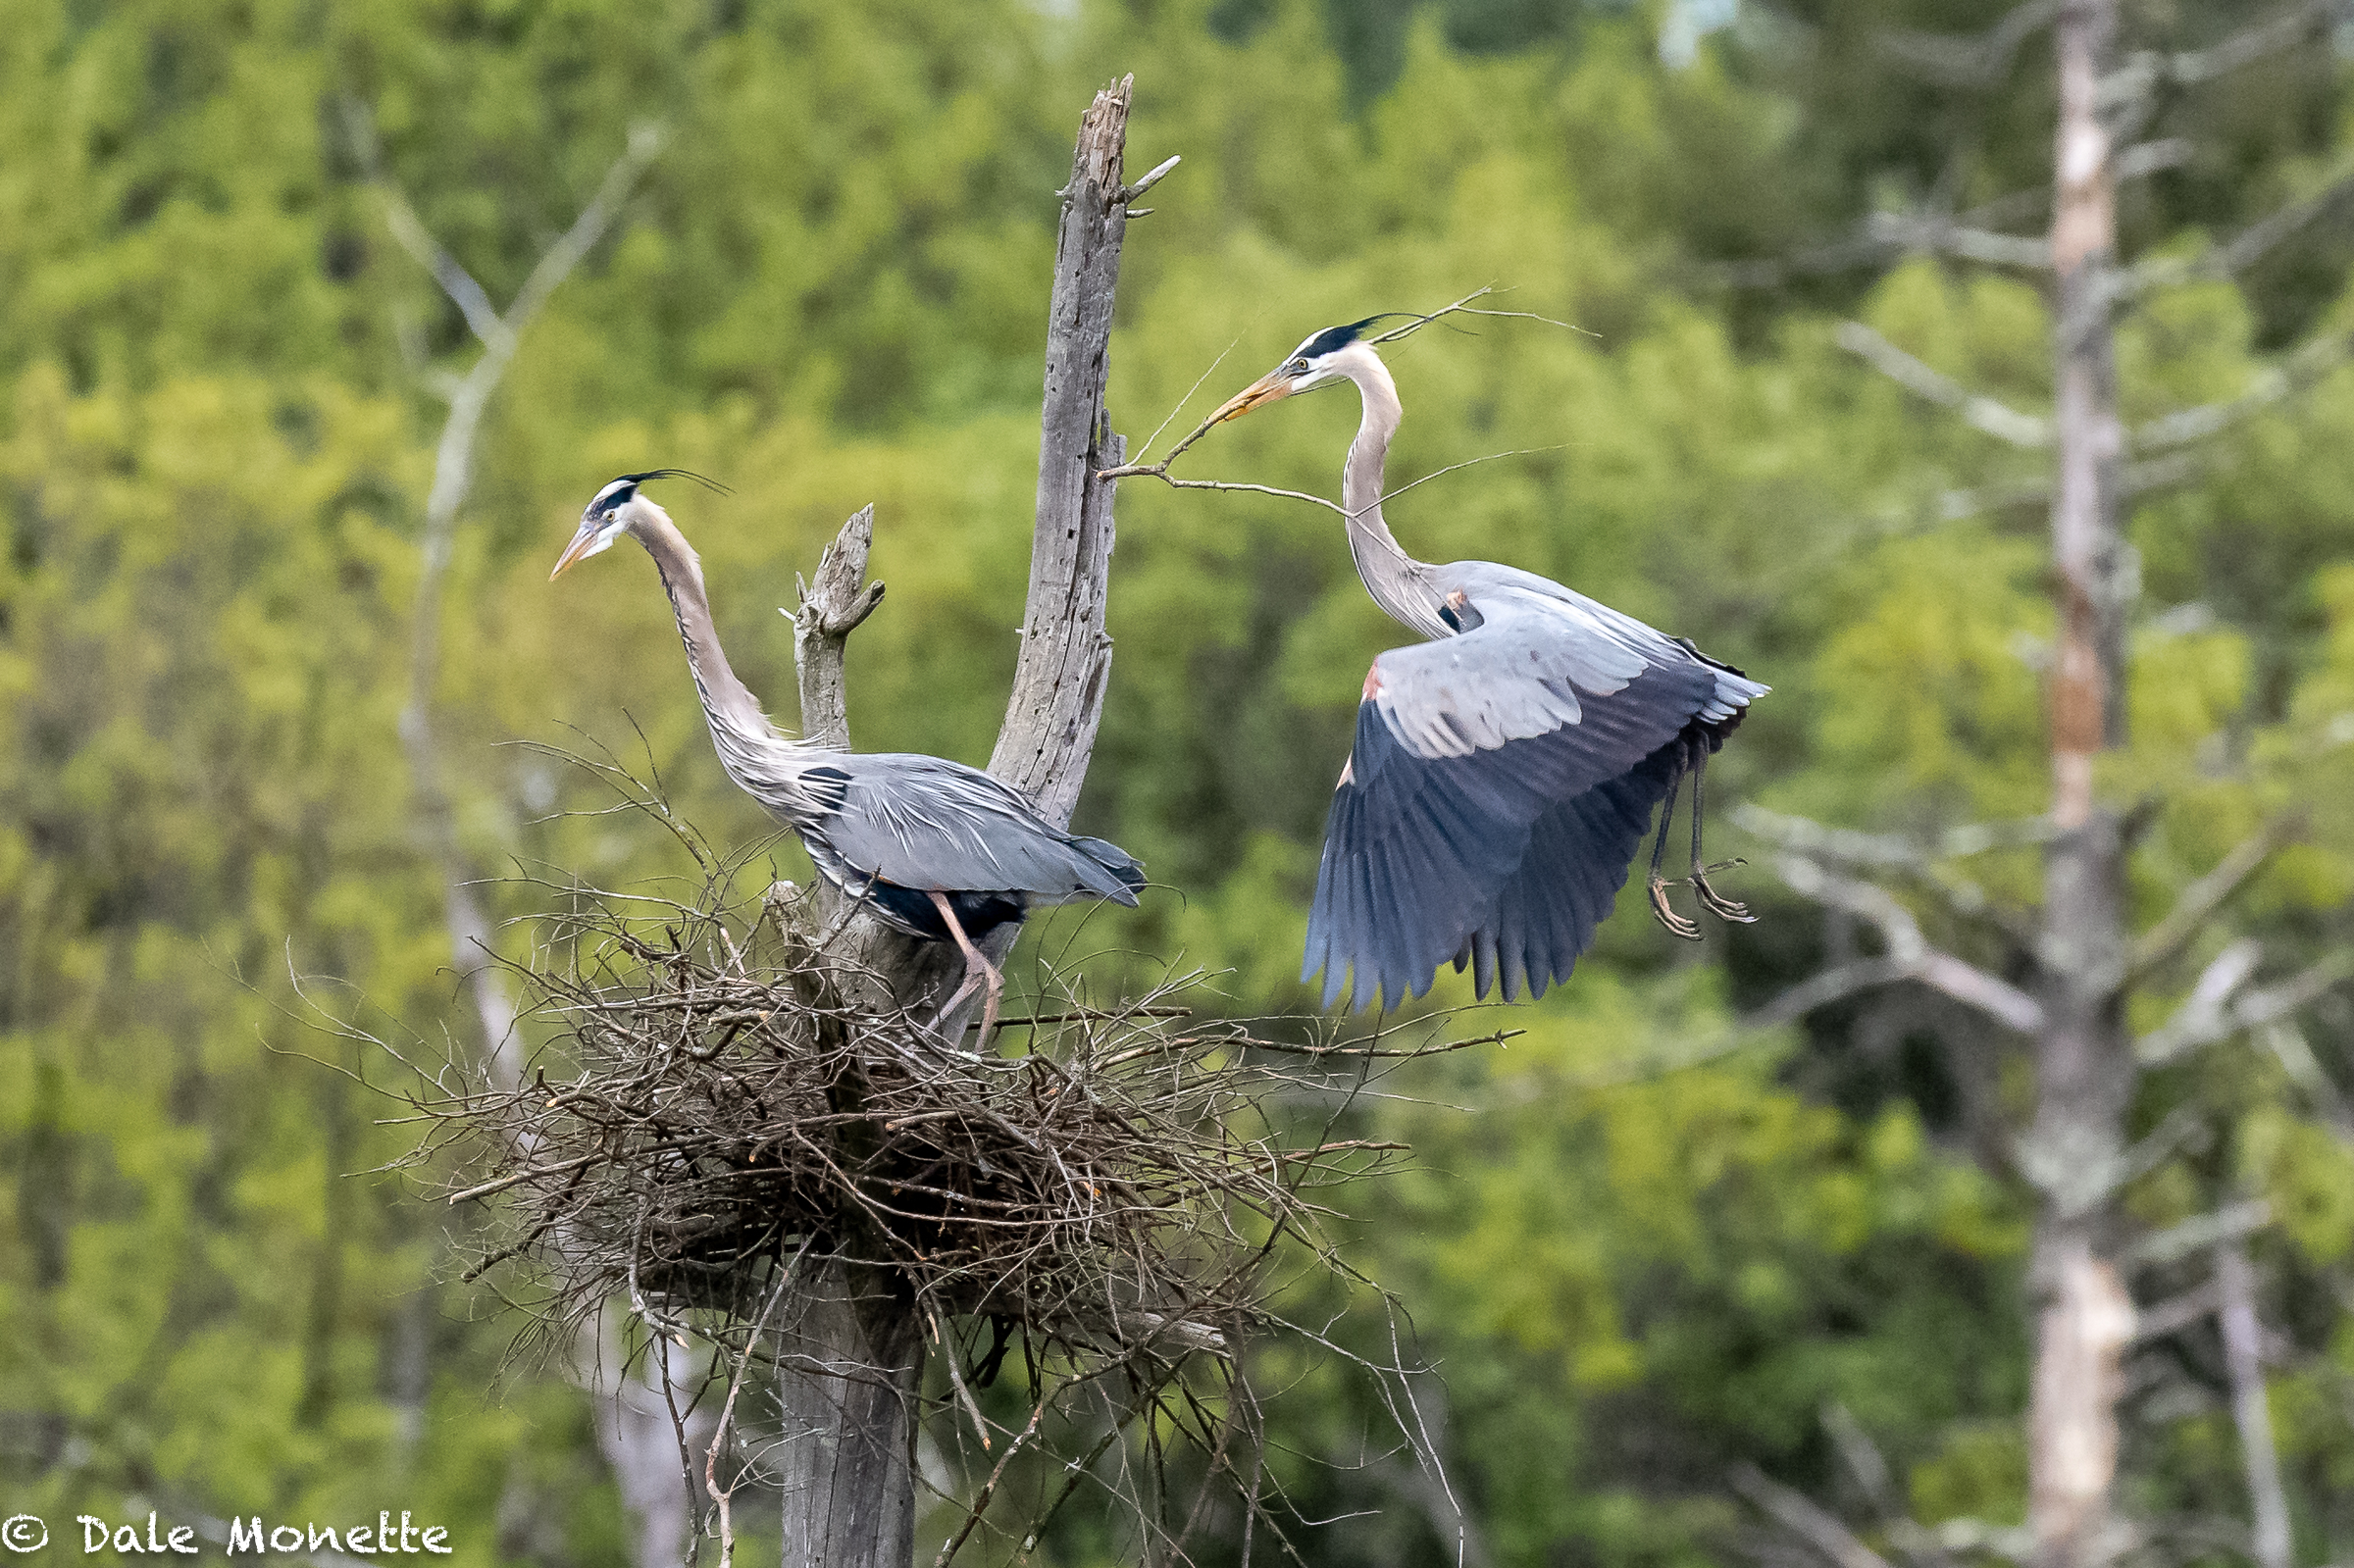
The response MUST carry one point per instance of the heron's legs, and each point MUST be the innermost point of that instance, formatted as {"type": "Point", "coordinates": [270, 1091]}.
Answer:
{"type": "Point", "coordinates": [1716, 903]}
{"type": "Point", "coordinates": [1668, 917]}
{"type": "Point", "coordinates": [978, 970]}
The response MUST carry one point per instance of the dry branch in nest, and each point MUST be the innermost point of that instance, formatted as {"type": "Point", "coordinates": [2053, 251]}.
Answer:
{"type": "Point", "coordinates": [710, 1108]}
{"type": "Point", "coordinates": [716, 1117]}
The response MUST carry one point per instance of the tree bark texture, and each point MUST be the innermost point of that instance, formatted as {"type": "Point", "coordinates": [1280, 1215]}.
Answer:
{"type": "Point", "coordinates": [851, 1348]}
{"type": "Point", "coordinates": [851, 1360]}
{"type": "Point", "coordinates": [1057, 697]}
{"type": "Point", "coordinates": [2076, 1150]}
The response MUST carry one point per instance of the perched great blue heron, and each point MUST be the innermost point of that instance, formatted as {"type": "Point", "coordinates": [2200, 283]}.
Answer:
{"type": "Point", "coordinates": [939, 851]}
{"type": "Point", "coordinates": [1504, 771]}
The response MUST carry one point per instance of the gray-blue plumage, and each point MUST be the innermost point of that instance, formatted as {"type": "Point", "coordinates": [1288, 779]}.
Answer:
{"type": "Point", "coordinates": [1504, 770]}
{"type": "Point", "coordinates": [937, 849]}
{"type": "Point", "coordinates": [1501, 782]}
{"type": "Point", "coordinates": [925, 822]}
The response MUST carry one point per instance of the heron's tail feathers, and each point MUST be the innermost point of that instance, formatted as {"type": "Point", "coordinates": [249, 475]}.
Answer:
{"type": "Point", "coordinates": [1122, 869]}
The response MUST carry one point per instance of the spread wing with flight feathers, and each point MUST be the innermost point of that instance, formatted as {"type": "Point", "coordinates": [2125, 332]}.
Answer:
{"type": "Point", "coordinates": [927, 823]}
{"type": "Point", "coordinates": [1500, 781]}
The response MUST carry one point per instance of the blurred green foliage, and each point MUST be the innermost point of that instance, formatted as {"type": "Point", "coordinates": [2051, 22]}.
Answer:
{"type": "Point", "coordinates": [1637, 1264]}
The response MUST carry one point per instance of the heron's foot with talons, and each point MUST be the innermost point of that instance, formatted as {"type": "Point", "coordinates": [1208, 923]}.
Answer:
{"type": "Point", "coordinates": [1717, 904]}
{"type": "Point", "coordinates": [1665, 913]}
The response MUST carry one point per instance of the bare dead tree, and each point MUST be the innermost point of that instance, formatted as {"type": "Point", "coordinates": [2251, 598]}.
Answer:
{"type": "Point", "coordinates": [846, 1480]}
{"type": "Point", "coordinates": [2068, 968]}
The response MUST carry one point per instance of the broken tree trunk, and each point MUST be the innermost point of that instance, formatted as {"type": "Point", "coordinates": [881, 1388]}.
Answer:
{"type": "Point", "coordinates": [851, 1349]}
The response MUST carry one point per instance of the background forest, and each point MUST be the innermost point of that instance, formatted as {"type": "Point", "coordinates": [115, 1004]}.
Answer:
{"type": "Point", "coordinates": [1666, 1264]}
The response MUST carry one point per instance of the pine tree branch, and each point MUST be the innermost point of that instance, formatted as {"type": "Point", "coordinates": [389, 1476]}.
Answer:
{"type": "Point", "coordinates": [1921, 861]}
{"type": "Point", "coordinates": [2203, 1008]}
{"type": "Point", "coordinates": [1946, 236]}
{"type": "Point", "coordinates": [2244, 249]}
{"type": "Point", "coordinates": [1978, 62]}
{"type": "Point", "coordinates": [2136, 479]}
{"type": "Point", "coordinates": [2302, 369]}
{"type": "Point", "coordinates": [2199, 1232]}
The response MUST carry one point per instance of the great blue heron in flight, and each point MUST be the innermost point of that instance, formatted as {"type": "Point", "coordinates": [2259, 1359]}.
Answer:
{"type": "Point", "coordinates": [1504, 771]}
{"type": "Point", "coordinates": [939, 851]}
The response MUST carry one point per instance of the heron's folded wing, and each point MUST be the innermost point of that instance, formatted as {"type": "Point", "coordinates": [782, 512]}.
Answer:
{"type": "Point", "coordinates": [927, 823]}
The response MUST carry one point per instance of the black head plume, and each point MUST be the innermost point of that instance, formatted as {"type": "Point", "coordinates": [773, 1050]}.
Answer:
{"type": "Point", "coordinates": [622, 486]}
{"type": "Point", "coordinates": [1332, 339]}
{"type": "Point", "coordinates": [711, 485]}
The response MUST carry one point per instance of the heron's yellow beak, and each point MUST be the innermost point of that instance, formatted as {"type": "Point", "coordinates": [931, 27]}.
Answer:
{"type": "Point", "coordinates": [1271, 387]}
{"type": "Point", "coordinates": [584, 544]}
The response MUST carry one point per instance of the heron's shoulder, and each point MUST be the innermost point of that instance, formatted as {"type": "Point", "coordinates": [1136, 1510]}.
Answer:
{"type": "Point", "coordinates": [1509, 593]}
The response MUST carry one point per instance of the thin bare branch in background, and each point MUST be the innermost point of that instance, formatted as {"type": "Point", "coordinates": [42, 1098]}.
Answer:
{"type": "Point", "coordinates": [2209, 1020]}
{"type": "Point", "coordinates": [2243, 1354]}
{"type": "Point", "coordinates": [2244, 249]}
{"type": "Point", "coordinates": [630, 1428]}
{"type": "Point", "coordinates": [2199, 1233]}
{"type": "Point", "coordinates": [1982, 413]}
{"type": "Point", "coordinates": [1806, 1519]}
{"type": "Point", "coordinates": [1909, 954]}
{"type": "Point", "coordinates": [2165, 941]}
{"type": "Point", "coordinates": [469, 395]}
{"type": "Point", "coordinates": [1968, 62]}
{"type": "Point", "coordinates": [2292, 27]}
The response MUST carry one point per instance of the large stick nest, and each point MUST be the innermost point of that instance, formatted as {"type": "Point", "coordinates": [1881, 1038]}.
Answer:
{"type": "Point", "coordinates": [708, 1105]}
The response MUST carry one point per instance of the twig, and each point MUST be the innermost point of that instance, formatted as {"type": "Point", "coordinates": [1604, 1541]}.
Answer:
{"type": "Point", "coordinates": [1461, 307]}
{"type": "Point", "coordinates": [725, 1427]}
{"type": "Point", "coordinates": [988, 1490]}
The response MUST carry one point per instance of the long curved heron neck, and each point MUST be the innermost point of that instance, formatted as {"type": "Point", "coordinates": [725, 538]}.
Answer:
{"type": "Point", "coordinates": [1401, 585]}
{"type": "Point", "coordinates": [747, 744]}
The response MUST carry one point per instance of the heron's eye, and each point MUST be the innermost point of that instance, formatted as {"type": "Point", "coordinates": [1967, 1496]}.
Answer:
{"type": "Point", "coordinates": [1297, 366]}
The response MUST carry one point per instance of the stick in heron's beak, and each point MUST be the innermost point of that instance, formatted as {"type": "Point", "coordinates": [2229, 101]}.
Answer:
{"type": "Point", "coordinates": [1266, 389]}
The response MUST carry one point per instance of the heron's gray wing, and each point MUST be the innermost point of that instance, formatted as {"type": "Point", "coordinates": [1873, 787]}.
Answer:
{"type": "Point", "coordinates": [1568, 877]}
{"type": "Point", "coordinates": [930, 824]}
{"type": "Point", "coordinates": [1462, 745]}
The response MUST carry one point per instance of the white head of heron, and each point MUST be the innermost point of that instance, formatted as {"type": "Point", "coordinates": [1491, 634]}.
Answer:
{"type": "Point", "coordinates": [1321, 359]}
{"type": "Point", "coordinates": [607, 516]}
